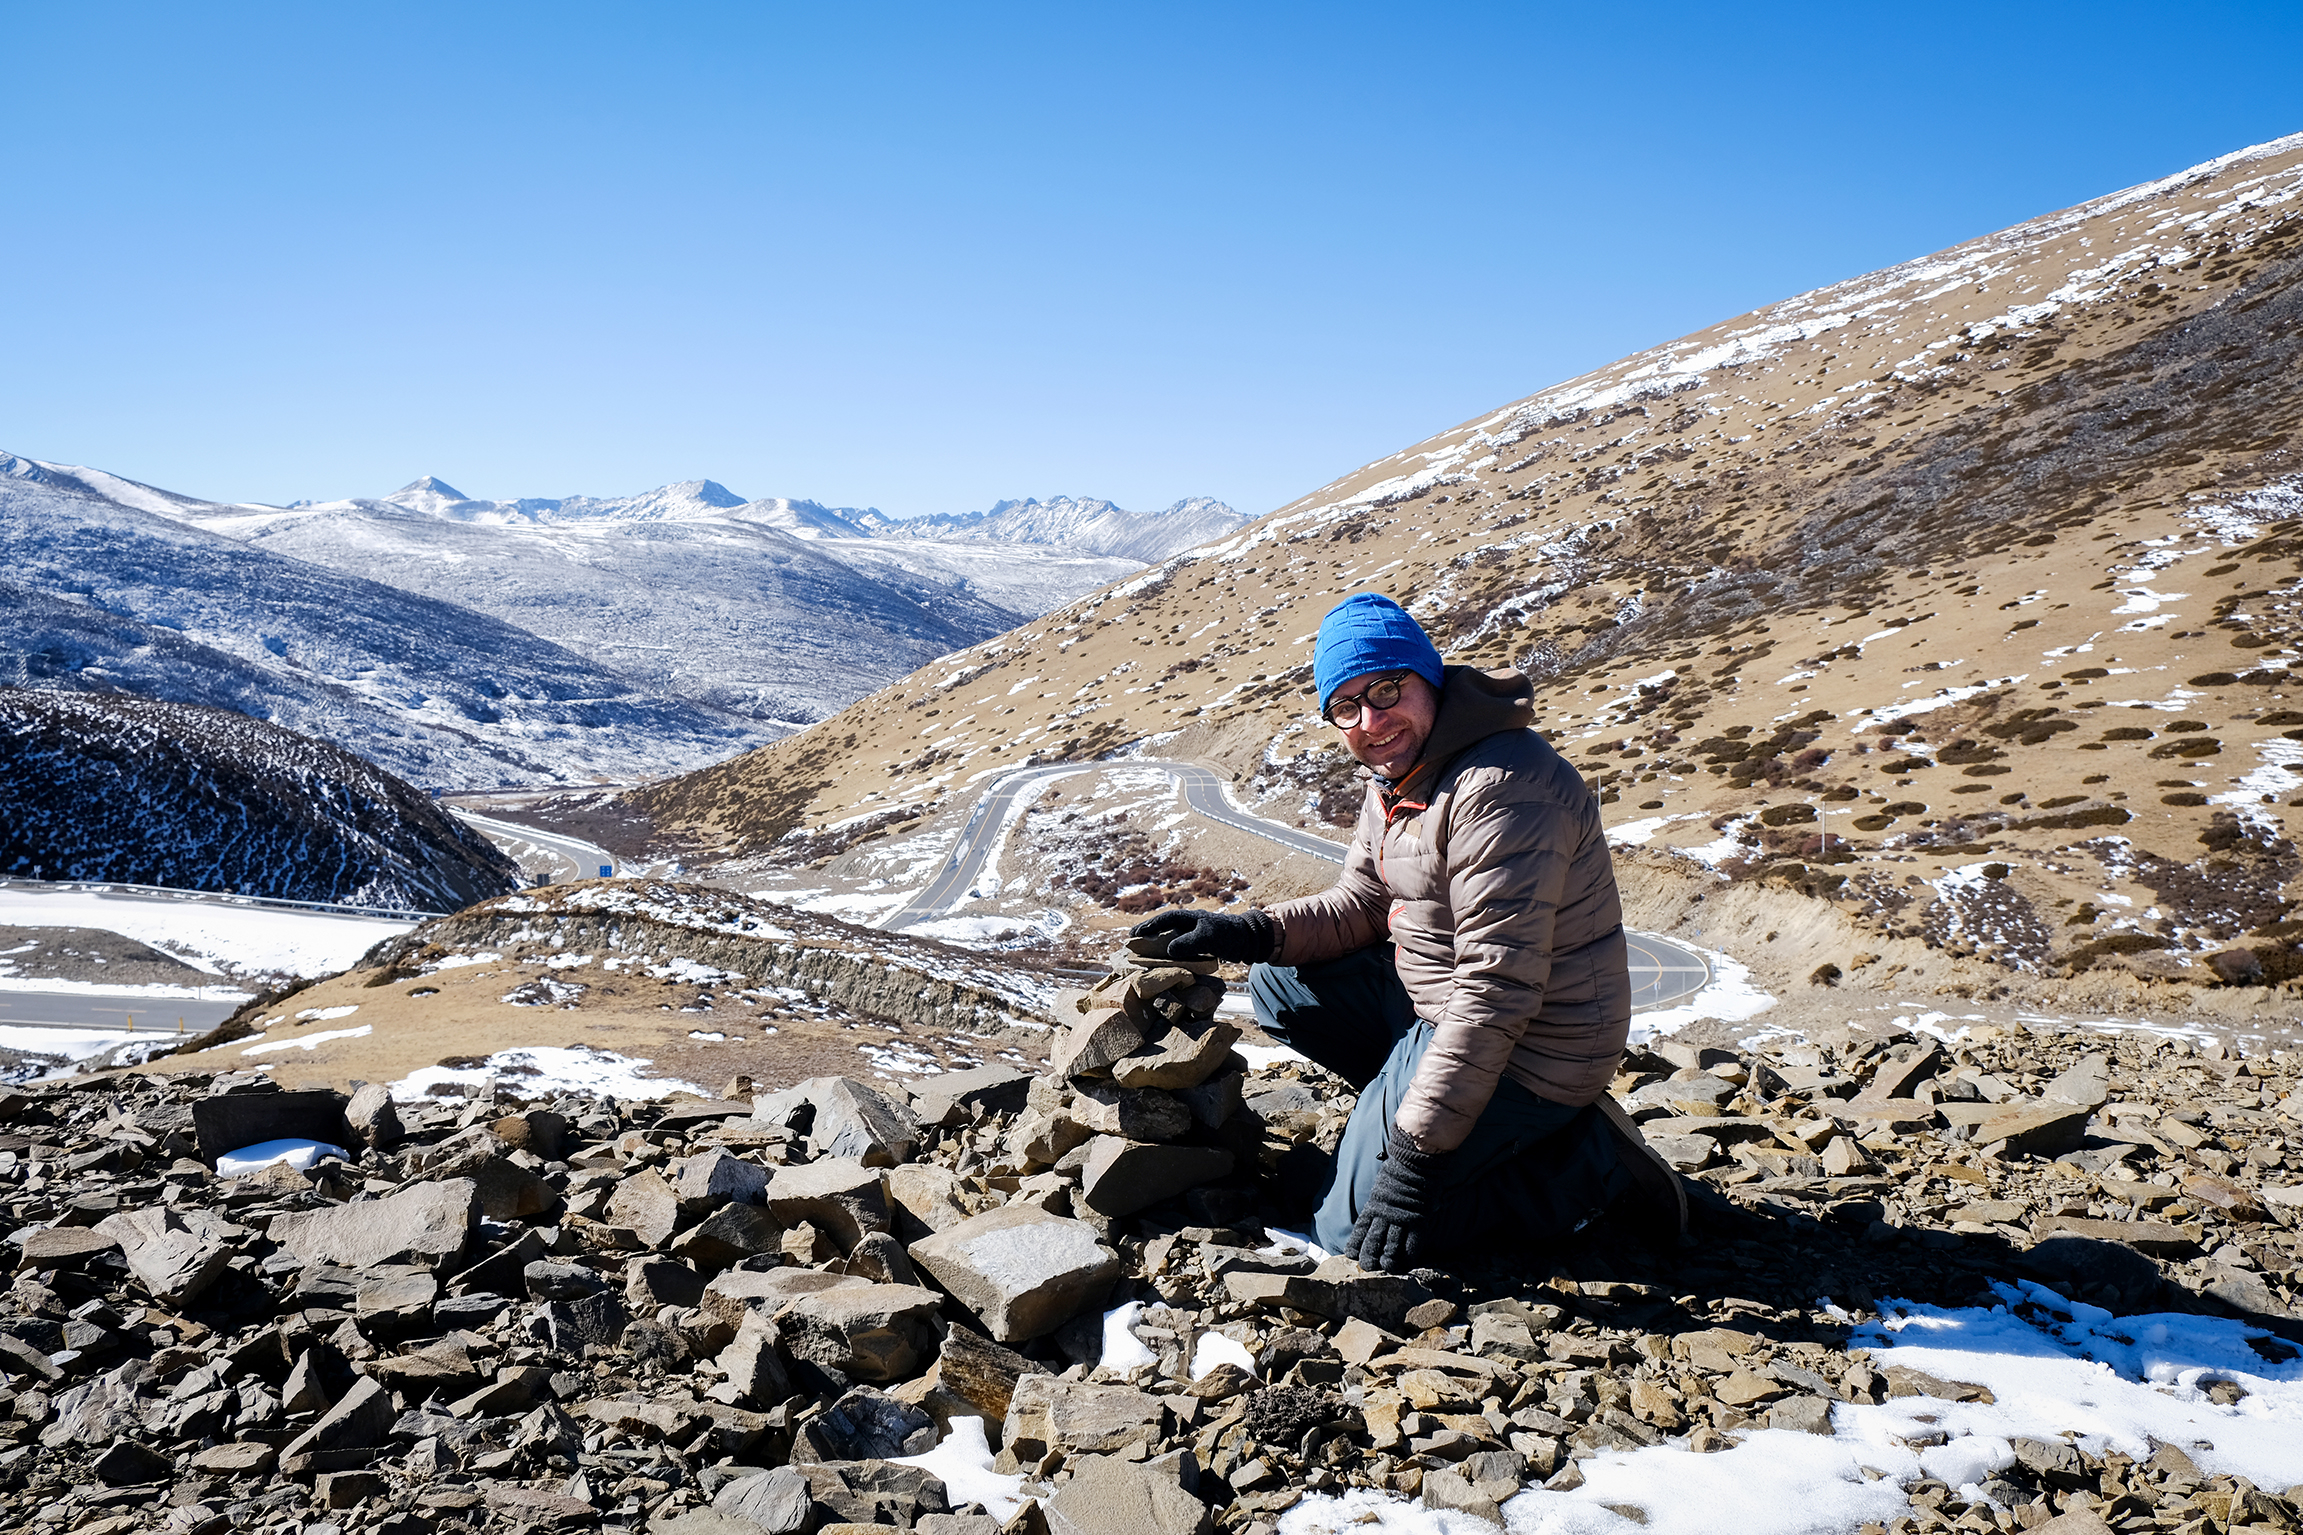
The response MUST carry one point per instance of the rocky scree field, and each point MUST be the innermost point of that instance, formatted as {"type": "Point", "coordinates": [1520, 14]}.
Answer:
{"type": "Point", "coordinates": [950, 1305]}
{"type": "Point", "coordinates": [1954, 604]}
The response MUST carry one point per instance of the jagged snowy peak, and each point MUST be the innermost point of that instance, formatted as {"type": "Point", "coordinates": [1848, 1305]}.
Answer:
{"type": "Point", "coordinates": [150, 793]}
{"type": "Point", "coordinates": [687, 501]}
{"type": "Point", "coordinates": [803, 519]}
{"type": "Point", "coordinates": [1088, 525]}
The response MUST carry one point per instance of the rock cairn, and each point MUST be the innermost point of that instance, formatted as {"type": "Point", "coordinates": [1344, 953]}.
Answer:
{"type": "Point", "coordinates": [1140, 1091]}
{"type": "Point", "coordinates": [745, 1315]}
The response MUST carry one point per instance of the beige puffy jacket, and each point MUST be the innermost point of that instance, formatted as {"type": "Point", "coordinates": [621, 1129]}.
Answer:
{"type": "Point", "coordinates": [1488, 867]}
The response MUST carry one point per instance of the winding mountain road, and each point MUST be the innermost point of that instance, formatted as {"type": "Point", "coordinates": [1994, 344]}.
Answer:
{"type": "Point", "coordinates": [583, 859]}
{"type": "Point", "coordinates": [1661, 971]}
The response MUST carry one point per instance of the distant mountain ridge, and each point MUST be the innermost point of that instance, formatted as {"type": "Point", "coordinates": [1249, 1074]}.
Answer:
{"type": "Point", "coordinates": [111, 586]}
{"type": "Point", "coordinates": [473, 642]}
{"type": "Point", "coordinates": [1085, 523]}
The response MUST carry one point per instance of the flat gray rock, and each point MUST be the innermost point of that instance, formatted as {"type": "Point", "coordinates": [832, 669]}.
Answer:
{"type": "Point", "coordinates": [426, 1223]}
{"type": "Point", "coordinates": [1021, 1270]}
{"type": "Point", "coordinates": [853, 1120]}
{"type": "Point", "coordinates": [728, 1236]}
{"type": "Point", "coordinates": [1180, 1058]}
{"type": "Point", "coordinates": [953, 1097]}
{"type": "Point", "coordinates": [776, 1502]}
{"type": "Point", "coordinates": [738, 1292]}
{"type": "Point", "coordinates": [713, 1178]}
{"type": "Point", "coordinates": [647, 1206]}
{"type": "Point", "coordinates": [2087, 1082]}
{"type": "Point", "coordinates": [175, 1254]}
{"type": "Point", "coordinates": [839, 1196]}
{"type": "Point", "coordinates": [1110, 1496]}
{"type": "Point", "coordinates": [1122, 1176]}
{"type": "Point", "coordinates": [1078, 1416]}
{"type": "Point", "coordinates": [866, 1333]}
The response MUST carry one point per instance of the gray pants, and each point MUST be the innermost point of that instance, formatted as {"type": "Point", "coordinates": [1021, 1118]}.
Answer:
{"type": "Point", "coordinates": [1531, 1170]}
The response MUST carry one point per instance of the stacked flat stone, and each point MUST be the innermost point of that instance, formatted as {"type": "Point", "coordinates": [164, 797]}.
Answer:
{"type": "Point", "coordinates": [1141, 1088]}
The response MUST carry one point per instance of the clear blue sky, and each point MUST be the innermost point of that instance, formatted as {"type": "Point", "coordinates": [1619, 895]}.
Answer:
{"type": "Point", "coordinates": [922, 258]}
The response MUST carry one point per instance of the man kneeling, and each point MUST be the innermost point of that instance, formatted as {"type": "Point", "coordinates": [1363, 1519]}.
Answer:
{"type": "Point", "coordinates": [1483, 1034]}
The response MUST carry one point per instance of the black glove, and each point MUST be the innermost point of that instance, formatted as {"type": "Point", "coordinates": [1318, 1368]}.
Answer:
{"type": "Point", "coordinates": [1393, 1232]}
{"type": "Point", "coordinates": [1249, 938]}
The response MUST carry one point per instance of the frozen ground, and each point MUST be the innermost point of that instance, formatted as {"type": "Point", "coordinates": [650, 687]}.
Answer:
{"type": "Point", "coordinates": [64, 1044]}
{"type": "Point", "coordinates": [2055, 1368]}
{"type": "Point", "coordinates": [213, 936]}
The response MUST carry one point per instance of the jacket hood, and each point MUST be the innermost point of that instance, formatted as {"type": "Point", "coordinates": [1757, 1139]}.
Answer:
{"type": "Point", "coordinates": [1474, 705]}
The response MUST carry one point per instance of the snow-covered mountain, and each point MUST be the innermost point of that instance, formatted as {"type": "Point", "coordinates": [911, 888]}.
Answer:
{"type": "Point", "coordinates": [716, 609]}
{"type": "Point", "coordinates": [110, 586]}
{"type": "Point", "coordinates": [1086, 524]}
{"type": "Point", "coordinates": [778, 610]}
{"type": "Point", "coordinates": [1080, 525]}
{"type": "Point", "coordinates": [722, 621]}
{"type": "Point", "coordinates": [107, 787]}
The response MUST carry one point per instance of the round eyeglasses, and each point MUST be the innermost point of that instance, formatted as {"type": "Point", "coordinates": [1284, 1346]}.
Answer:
{"type": "Point", "coordinates": [1343, 712]}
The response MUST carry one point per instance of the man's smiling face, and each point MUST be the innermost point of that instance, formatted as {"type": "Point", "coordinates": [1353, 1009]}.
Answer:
{"type": "Point", "coordinates": [1389, 740]}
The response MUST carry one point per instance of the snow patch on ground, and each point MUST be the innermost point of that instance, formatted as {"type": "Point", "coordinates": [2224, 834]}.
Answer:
{"type": "Point", "coordinates": [1031, 929]}
{"type": "Point", "coordinates": [1123, 1350]}
{"type": "Point", "coordinates": [536, 1070]}
{"type": "Point", "coordinates": [865, 910]}
{"type": "Point", "coordinates": [1637, 833]}
{"type": "Point", "coordinates": [214, 936]}
{"type": "Point", "coordinates": [2118, 1382]}
{"type": "Point", "coordinates": [2280, 775]}
{"type": "Point", "coordinates": [1942, 699]}
{"type": "Point", "coordinates": [66, 1044]}
{"type": "Point", "coordinates": [308, 1041]}
{"type": "Point", "coordinates": [962, 1460]}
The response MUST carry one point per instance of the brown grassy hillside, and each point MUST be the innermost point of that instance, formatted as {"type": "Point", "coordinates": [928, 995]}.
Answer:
{"type": "Point", "coordinates": [1962, 596]}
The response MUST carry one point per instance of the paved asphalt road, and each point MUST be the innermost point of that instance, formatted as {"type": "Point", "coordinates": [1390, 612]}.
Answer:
{"type": "Point", "coordinates": [979, 840]}
{"type": "Point", "coordinates": [1661, 971]}
{"type": "Point", "coordinates": [584, 860]}
{"type": "Point", "coordinates": [75, 1010]}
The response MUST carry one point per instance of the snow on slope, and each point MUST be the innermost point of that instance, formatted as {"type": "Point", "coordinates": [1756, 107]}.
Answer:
{"type": "Point", "coordinates": [134, 791]}
{"type": "Point", "coordinates": [776, 609]}
{"type": "Point", "coordinates": [109, 587]}
{"type": "Point", "coordinates": [217, 937]}
{"type": "Point", "coordinates": [720, 611]}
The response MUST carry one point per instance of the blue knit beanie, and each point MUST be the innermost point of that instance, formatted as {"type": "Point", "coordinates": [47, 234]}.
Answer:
{"type": "Point", "coordinates": [1370, 633]}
